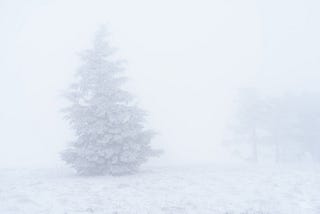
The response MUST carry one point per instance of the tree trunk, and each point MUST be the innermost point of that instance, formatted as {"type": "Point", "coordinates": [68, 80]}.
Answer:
{"type": "Point", "coordinates": [276, 151]}
{"type": "Point", "coordinates": [254, 146]}
{"type": "Point", "coordinates": [276, 147]}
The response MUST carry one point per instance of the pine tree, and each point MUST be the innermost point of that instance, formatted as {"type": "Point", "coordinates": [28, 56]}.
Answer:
{"type": "Point", "coordinates": [110, 137]}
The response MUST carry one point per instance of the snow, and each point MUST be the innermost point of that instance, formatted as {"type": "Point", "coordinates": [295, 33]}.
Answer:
{"type": "Point", "coordinates": [176, 189]}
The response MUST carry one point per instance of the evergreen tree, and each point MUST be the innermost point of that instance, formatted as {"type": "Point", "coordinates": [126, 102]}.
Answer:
{"type": "Point", "coordinates": [109, 128]}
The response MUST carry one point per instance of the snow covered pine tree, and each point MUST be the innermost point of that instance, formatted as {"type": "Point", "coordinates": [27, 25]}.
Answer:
{"type": "Point", "coordinates": [109, 128]}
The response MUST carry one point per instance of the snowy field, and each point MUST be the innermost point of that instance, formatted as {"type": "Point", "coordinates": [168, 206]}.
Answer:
{"type": "Point", "coordinates": [196, 189]}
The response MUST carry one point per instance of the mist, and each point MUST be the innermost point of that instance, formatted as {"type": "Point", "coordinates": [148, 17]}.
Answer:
{"type": "Point", "coordinates": [186, 62]}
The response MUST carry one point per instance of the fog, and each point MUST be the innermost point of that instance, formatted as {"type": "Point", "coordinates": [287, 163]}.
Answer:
{"type": "Point", "coordinates": [186, 61]}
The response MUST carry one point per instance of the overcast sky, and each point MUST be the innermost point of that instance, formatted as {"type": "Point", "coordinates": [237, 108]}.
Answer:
{"type": "Point", "coordinates": [185, 59]}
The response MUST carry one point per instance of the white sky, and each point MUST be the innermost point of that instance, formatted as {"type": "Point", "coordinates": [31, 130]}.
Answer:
{"type": "Point", "coordinates": [185, 60]}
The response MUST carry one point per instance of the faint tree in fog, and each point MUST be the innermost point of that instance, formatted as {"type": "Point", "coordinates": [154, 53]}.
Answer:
{"type": "Point", "coordinates": [295, 126]}
{"type": "Point", "coordinates": [250, 120]}
{"type": "Point", "coordinates": [283, 126]}
{"type": "Point", "coordinates": [289, 125]}
{"type": "Point", "coordinates": [109, 128]}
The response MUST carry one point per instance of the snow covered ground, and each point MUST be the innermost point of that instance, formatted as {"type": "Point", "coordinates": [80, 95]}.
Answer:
{"type": "Point", "coordinates": [196, 189]}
